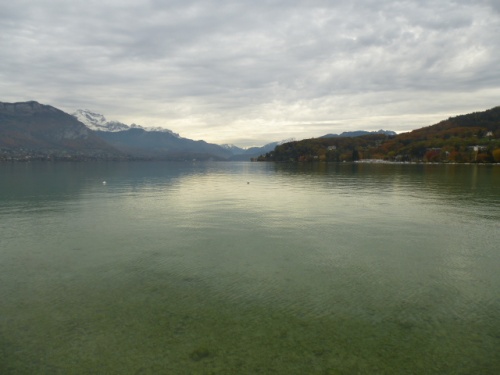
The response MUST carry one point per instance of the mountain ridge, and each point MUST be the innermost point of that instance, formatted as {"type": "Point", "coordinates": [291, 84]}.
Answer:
{"type": "Point", "coordinates": [149, 142]}
{"type": "Point", "coordinates": [30, 129]}
{"type": "Point", "coordinates": [97, 122]}
{"type": "Point", "coordinates": [359, 133]}
{"type": "Point", "coordinates": [137, 143]}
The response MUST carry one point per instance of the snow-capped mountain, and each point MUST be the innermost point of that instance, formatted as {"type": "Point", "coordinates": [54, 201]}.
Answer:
{"type": "Point", "coordinates": [235, 150]}
{"type": "Point", "coordinates": [97, 122]}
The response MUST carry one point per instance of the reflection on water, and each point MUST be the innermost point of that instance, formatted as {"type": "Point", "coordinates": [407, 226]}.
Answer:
{"type": "Point", "coordinates": [248, 268]}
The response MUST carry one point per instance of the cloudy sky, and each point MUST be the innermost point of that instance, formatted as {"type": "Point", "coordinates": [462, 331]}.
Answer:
{"type": "Point", "coordinates": [250, 72]}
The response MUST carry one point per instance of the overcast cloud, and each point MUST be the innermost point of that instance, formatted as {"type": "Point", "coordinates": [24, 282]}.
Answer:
{"type": "Point", "coordinates": [251, 72]}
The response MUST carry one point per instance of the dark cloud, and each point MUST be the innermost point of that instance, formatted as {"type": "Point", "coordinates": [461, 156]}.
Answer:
{"type": "Point", "coordinates": [256, 70]}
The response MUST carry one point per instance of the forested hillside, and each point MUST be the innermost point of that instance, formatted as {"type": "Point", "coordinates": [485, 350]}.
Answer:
{"type": "Point", "coordinates": [473, 137]}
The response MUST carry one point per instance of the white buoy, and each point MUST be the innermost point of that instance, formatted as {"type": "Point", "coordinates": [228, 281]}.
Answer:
{"type": "Point", "coordinates": [104, 182]}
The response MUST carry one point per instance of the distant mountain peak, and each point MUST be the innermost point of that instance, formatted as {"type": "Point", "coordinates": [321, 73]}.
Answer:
{"type": "Point", "coordinates": [229, 145]}
{"type": "Point", "coordinates": [90, 117]}
{"type": "Point", "coordinates": [359, 133]}
{"type": "Point", "coordinates": [235, 150]}
{"type": "Point", "coordinates": [28, 107]}
{"type": "Point", "coordinates": [97, 122]}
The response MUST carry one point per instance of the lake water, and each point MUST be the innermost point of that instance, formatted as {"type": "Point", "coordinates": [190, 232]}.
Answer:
{"type": "Point", "coordinates": [249, 268]}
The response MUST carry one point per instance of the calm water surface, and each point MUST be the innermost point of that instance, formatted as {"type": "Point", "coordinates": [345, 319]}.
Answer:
{"type": "Point", "coordinates": [246, 268]}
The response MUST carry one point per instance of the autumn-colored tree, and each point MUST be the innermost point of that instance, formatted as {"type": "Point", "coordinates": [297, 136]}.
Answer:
{"type": "Point", "coordinates": [496, 155]}
{"type": "Point", "coordinates": [432, 156]}
{"type": "Point", "coordinates": [483, 157]}
{"type": "Point", "coordinates": [455, 156]}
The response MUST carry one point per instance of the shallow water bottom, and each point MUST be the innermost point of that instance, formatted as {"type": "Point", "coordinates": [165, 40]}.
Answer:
{"type": "Point", "coordinates": [161, 325]}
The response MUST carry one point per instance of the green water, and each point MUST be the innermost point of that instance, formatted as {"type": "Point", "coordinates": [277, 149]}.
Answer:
{"type": "Point", "coordinates": [249, 268]}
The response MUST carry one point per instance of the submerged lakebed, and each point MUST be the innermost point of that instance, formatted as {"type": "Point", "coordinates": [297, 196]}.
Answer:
{"type": "Point", "coordinates": [224, 268]}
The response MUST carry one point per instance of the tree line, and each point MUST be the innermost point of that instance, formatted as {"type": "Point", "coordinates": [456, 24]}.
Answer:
{"type": "Point", "coordinates": [473, 137]}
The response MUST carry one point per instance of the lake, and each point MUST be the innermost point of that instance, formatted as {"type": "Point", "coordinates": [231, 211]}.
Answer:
{"type": "Point", "coordinates": [249, 268]}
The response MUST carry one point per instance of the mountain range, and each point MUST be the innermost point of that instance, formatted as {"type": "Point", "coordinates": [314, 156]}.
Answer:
{"type": "Point", "coordinates": [97, 122]}
{"type": "Point", "coordinates": [30, 130]}
{"type": "Point", "coordinates": [158, 142]}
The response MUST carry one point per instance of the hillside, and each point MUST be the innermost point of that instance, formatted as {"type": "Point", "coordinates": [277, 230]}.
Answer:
{"type": "Point", "coordinates": [473, 137]}
{"type": "Point", "coordinates": [30, 130]}
{"type": "Point", "coordinates": [162, 145]}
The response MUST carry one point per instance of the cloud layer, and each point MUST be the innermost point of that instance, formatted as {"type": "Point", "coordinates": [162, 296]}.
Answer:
{"type": "Point", "coordinates": [248, 72]}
